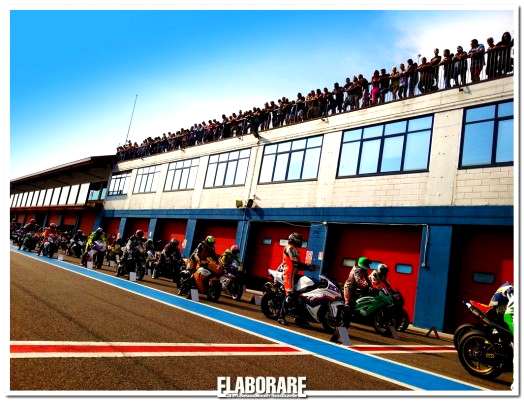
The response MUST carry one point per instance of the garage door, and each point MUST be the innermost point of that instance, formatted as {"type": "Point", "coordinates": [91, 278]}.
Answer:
{"type": "Point", "coordinates": [171, 228]}
{"type": "Point", "coordinates": [87, 221]}
{"type": "Point", "coordinates": [266, 243]}
{"type": "Point", "coordinates": [111, 226]}
{"type": "Point", "coordinates": [224, 231]}
{"type": "Point", "coordinates": [483, 259]}
{"type": "Point", "coordinates": [54, 217]}
{"type": "Point", "coordinates": [396, 246]}
{"type": "Point", "coordinates": [20, 218]}
{"type": "Point", "coordinates": [132, 225]}
{"type": "Point", "coordinates": [69, 219]}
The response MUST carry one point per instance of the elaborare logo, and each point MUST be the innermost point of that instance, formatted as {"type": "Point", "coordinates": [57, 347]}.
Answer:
{"type": "Point", "coordinates": [261, 387]}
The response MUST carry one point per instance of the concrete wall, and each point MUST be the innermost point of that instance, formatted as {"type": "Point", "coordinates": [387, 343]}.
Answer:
{"type": "Point", "coordinates": [443, 185]}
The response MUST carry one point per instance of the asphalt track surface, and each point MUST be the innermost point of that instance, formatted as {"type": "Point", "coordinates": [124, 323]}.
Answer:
{"type": "Point", "coordinates": [48, 303]}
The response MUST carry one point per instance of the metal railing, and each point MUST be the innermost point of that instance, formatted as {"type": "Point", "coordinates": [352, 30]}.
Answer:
{"type": "Point", "coordinates": [460, 71]}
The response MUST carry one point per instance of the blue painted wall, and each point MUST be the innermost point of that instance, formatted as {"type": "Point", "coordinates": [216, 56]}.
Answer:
{"type": "Point", "coordinates": [317, 243]}
{"type": "Point", "coordinates": [432, 286]}
{"type": "Point", "coordinates": [122, 226]}
{"type": "Point", "coordinates": [190, 234]}
{"type": "Point", "coordinates": [151, 230]}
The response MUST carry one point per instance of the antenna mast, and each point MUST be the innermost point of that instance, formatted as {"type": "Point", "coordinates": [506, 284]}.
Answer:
{"type": "Point", "coordinates": [131, 119]}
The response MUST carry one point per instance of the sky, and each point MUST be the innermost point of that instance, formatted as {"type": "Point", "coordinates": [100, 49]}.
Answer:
{"type": "Point", "coordinates": [75, 74]}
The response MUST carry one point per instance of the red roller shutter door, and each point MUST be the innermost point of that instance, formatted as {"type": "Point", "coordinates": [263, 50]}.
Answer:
{"type": "Point", "coordinates": [396, 246]}
{"type": "Point", "coordinates": [20, 218]}
{"type": "Point", "coordinates": [111, 226]}
{"type": "Point", "coordinates": [87, 220]}
{"type": "Point", "coordinates": [69, 219]}
{"type": "Point", "coordinates": [485, 257]}
{"type": "Point", "coordinates": [266, 243]}
{"type": "Point", "coordinates": [132, 225]}
{"type": "Point", "coordinates": [225, 233]}
{"type": "Point", "coordinates": [53, 218]}
{"type": "Point", "coordinates": [170, 228]}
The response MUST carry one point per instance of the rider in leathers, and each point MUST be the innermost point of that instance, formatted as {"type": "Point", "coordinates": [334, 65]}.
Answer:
{"type": "Point", "coordinates": [171, 256]}
{"type": "Point", "coordinates": [358, 282]}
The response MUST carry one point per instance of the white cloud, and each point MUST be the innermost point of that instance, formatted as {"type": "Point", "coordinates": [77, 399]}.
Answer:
{"type": "Point", "coordinates": [448, 30]}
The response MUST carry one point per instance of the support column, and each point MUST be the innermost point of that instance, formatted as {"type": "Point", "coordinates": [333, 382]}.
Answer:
{"type": "Point", "coordinates": [122, 227]}
{"type": "Point", "coordinates": [152, 229]}
{"type": "Point", "coordinates": [46, 218]}
{"type": "Point", "coordinates": [433, 276]}
{"type": "Point", "coordinates": [241, 238]}
{"type": "Point", "coordinates": [190, 234]}
{"type": "Point", "coordinates": [60, 220]}
{"type": "Point", "coordinates": [317, 244]}
{"type": "Point", "coordinates": [98, 219]}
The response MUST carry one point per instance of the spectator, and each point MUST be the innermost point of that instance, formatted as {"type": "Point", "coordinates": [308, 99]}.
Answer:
{"type": "Point", "coordinates": [403, 84]}
{"type": "Point", "coordinates": [477, 60]}
{"type": "Point", "coordinates": [301, 107]}
{"type": "Point", "coordinates": [413, 77]}
{"type": "Point", "coordinates": [491, 65]}
{"type": "Point", "coordinates": [395, 82]}
{"type": "Point", "coordinates": [338, 92]}
{"type": "Point", "coordinates": [329, 102]}
{"type": "Point", "coordinates": [355, 92]}
{"type": "Point", "coordinates": [347, 100]}
{"type": "Point", "coordinates": [375, 87]}
{"type": "Point", "coordinates": [504, 59]}
{"type": "Point", "coordinates": [435, 62]}
{"type": "Point", "coordinates": [425, 75]}
{"type": "Point", "coordinates": [447, 66]}
{"type": "Point", "coordinates": [460, 66]}
{"type": "Point", "coordinates": [365, 90]}
{"type": "Point", "coordinates": [384, 85]}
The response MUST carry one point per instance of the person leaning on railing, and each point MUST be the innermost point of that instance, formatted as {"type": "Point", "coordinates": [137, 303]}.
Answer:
{"type": "Point", "coordinates": [476, 53]}
{"type": "Point", "coordinates": [447, 67]}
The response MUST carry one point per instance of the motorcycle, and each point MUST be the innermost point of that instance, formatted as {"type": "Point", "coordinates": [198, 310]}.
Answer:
{"type": "Point", "coordinates": [49, 246]}
{"type": "Point", "coordinates": [135, 261]}
{"type": "Point", "coordinates": [75, 248]}
{"type": "Point", "coordinates": [317, 302]}
{"type": "Point", "coordinates": [205, 279]}
{"type": "Point", "coordinates": [29, 241]}
{"type": "Point", "coordinates": [485, 348]}
{"type": "Point", "coordinates": [168, 267]}
{"type": "Point", "coordinates": [380, 309]}
{"type": "Point", "coordinates": [232, 281]}
{"type": "Point", "coordinates": [96, 253]}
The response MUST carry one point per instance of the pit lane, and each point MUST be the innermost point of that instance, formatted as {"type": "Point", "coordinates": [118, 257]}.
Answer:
{"type": "Point", "coordinates": [107, 314]}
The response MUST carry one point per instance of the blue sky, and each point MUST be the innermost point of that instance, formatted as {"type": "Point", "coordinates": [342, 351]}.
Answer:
{"type": "Point", "coordinates": [74, 74]}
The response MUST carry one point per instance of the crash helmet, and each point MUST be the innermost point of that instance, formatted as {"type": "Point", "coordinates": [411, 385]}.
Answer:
{"type": "Point", "coordinates": [235, 250]}
{"type": "Point", "coordinates": [174, 241]}
{"type": "Point", "coordinates": [382, 270]}
{"type": "Point", "coordinates": [80, 232]}
{"type": "Point", "coordinates": [139, 234]}
{"type": "Point", "coordinates": [363, 262]}
{"type": "Point", "coordinates": [99, 230]}
{"type": "Point", "coordinates": [210, 240]}
{"type": "Point", "coordinates": [52, 225]}
{"type": "Point", "coordinates": [295, 239]}
{"type": "Point", "coordinates": [32, 221]}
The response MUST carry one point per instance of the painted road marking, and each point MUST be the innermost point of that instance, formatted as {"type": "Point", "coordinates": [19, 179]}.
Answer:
{"type": "Point", "coordinates": [91, 349]}
{"type": "Point", "coordinates": [395, 372]}
{"type": "Point", "coordinates": [36, 349]}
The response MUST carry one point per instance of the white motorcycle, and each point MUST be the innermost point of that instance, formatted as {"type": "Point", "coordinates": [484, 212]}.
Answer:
{"type": "Point", "coordinates": [316, 301]}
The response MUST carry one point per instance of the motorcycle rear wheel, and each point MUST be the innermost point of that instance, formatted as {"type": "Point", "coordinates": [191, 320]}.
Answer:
{"type": "Point", "coordinates": [460, 332]}
{"type": "Point", "coordinates": [472, 346]}
{"type": "Point", "coordinates": [326, 319]}
{"type": "Point", "coordinates": [214, 291]}
{"type": "Point", "coordinates": [383, 323]}
{"type": "Point", "coordinates": [403, 323]}
{"type": "Point", "coordinates": [270, 306]}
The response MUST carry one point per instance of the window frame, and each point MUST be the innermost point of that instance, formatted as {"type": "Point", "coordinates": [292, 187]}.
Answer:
{"type": "Point", "coordinates": [226, 162]}
{"type": "Point", "coordinates": [382, 137]}
{"type": "Point", "coordinates": [290, 153]}
{"type": "Point", "coordinates": [121, 176]}
{"type": "Point", "coordinates": [140, 176]}
{"type": "Point", "coordinates": [495, 133]}
{"type": "Point", "coordinates": [197, 166]}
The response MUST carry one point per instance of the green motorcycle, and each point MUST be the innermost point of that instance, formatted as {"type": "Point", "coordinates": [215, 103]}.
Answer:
{"type": "Point", "coordinates": [380, 309]}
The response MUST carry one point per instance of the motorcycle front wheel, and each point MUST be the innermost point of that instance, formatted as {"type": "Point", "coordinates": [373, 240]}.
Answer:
{"type": "Point", "coordinates": [403, 321]}
{"type": "Point", "coordinates": [326, 319]}
{"type": "Point", "coordinates": [271, 305]}
{"type": "Point", "coordinates": [214, 291]}
{"type": "Point", "coordinates": [473, 349]}
{"type": "Point", "coordinates": [382, 323]}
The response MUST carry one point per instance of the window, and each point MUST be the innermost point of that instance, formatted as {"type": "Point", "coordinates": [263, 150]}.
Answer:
{"type": "Point", "coordinates": [181, 175]}
{"type": "Point", "coordinates": [146, 180]}
{"type": "Point", "coordinates": [348, 262]}
{"type": "Point", "coordinates": [16, 202]}
{"type": "Point", "coordinates": [19, 199]}
{"type": "Point", "coordinates": [48, 196]}
{"type": "Point", "coordinates": [63, 195]}
{"type": "Point", "coordinates": [403, 268]}
{"type": "Point", "coordinates": [395, 147]}
{"type": "Point", "coordinates": [24, 199]}
{"type": "Point", "coordinates": [227, 169]}
{"type": "Point", "coordinates": [42, 196]}
{"type": "Point", "coordinates": [266, 241]}
{"type": "Point", "coordinates": [56, 195]}
{"type": "Point", "coordinates": [483, 278]}
{"type": "Point", "coordinates": [82, 194]}
{"type": "Point", "coordinates": [34, 201]}
{"type": "Point", "coordinates": [119, 184]}
{"type": "Point", "coordinates": [487, 136]}
{"type": "Point", "coordinates": [11, 199]}
{"type": "Point", "coordinates": [29, 198]}
{"type": "Point", "coordinates": [73, 192]}
{"type": "Point", "coordinates": [291, 161]}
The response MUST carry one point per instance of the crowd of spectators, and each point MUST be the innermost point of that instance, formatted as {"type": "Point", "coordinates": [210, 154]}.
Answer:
{"type": "Point", "coordinates": [425, 76]}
